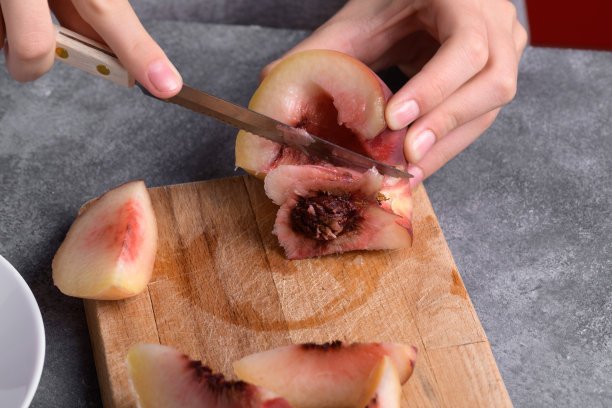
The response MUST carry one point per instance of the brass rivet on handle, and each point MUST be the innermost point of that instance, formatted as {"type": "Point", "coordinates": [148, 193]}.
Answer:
{"type": "Point", "coordinates": [61, 52]}
{"type": "Point", "coordinates": [103, 69]}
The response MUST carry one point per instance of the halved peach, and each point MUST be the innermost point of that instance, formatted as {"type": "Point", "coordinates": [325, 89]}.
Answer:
{"type": "Point", "coordinates": [109, 250]}
{"type": "Point", "coordinates": [323, 376]}
{"type": "Point", "coordinates": [162, 377]}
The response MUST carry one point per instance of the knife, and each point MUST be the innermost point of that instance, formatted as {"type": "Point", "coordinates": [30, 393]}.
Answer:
{"type": "Point", "coordinates": [96, 58]}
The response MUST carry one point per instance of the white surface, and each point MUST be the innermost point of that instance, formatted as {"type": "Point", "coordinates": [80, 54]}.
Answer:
{"type": "Point", "coordinates": [22, 339]}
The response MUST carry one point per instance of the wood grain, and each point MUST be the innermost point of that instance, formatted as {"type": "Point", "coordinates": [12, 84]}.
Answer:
{"type": "Point", "coordinates": [222, 289]}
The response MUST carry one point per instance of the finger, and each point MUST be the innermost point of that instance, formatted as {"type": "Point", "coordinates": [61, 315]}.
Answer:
{"type": "Point", "coordinates": [447, 149]}
{"type": "Point", "coordinates": [462, 54]}
{"type": "Point", "coordinates": [493, 87]}
{"type": "Point", "coordinates": [118, 25]}
{"type": "Point", "coordinates": [30, 38]}
{"type": "Point", "coordinates": [69, 17]}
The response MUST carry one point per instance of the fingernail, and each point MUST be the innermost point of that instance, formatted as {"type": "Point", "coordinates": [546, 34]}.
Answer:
{"type": "Point", "coordinates": [162, 76]}
{"type": "Point", "coordinates": [421, 145]}
{"type": "Point", "coordinates": [403, 115]}
{"type": "Point", "coordinates": [417, 172]}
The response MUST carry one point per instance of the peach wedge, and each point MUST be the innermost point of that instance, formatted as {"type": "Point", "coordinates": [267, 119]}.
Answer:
{"type": "Point", "coordinates": [110, 248]}
{"type": "Point", "coordinates": [330, 375]}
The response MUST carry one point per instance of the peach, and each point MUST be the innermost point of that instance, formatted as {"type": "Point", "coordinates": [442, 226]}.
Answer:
{"type": "Point", "coordinates": [324, 376]}
{"type": "Point", "coordinates": [162, 377]}
{"type": "Point", "coordinates": [110, 248]}
{"type": "Point", "coordinates": [338, 98]}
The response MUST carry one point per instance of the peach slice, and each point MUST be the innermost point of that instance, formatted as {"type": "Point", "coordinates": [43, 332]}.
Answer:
{"type": "Point", "coordinates": [331, 95]}
{"type": "Point", "coordinates": [384, 389]}
{"type": "Point", "coordinates": [326, 210]}
{"type": "Point", "coordinates": [109, 250]}
{"type": "Point", "coordinates": [162, 377]}
{"type": "Point", "coordinates": [338, 98]}
{"type": "Point", "coordinates": [321, 376]}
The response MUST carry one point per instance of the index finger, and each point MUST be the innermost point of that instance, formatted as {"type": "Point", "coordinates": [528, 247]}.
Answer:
{"type": "Point", "coordinates": [118, 25]}
{"type": "Point", "coordinates": [462, 54]}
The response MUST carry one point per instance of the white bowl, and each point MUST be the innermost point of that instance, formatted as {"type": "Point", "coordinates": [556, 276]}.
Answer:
{"type": "Point", "coordinates": [22, 339]}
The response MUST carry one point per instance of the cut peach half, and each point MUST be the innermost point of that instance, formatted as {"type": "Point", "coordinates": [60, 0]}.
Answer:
{"type": "Point", "coordinates": [338, 98]}
{"type": "Point", "coordinates": [331, 375]}
{"type": "Point", "coordinates": [109, 250]}
{"type": "Point", "coordinates": [162, 377]}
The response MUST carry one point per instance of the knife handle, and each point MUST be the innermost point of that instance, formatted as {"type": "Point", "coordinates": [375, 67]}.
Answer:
{"type": "Point", "coordinates": [90, 56]}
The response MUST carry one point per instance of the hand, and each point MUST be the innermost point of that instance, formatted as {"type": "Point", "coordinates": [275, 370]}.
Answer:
{"type": "Point", "coordinates": [30, 41]}
{"type": "Point", "coordinates": [462, 56]}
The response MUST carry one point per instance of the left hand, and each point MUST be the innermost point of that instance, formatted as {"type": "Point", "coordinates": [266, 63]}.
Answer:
{"type": "Point", "coordinates": [462, 57]}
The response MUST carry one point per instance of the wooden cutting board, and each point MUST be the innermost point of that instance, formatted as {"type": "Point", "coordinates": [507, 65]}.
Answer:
{"type": "Point", "coordinates": [223, 289]}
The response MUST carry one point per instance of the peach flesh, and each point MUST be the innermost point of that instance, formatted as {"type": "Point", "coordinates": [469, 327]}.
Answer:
{"type": "Point", "coordinates": [384, 388]}
{"type": "Point", "coordinates": [322, 375]}
{"type": "Point", "coordinates": [320, 118]}
{"type": "Point", "coordinates": [127, 231]}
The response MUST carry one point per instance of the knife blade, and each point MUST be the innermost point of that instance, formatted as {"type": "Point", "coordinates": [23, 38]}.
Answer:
{"type": "Point", "coordinates": [271, 129]}
{"type": "Point", "coordinates": [96, 58]}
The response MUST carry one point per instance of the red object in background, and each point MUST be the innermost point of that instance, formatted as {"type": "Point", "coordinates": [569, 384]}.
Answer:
{"type": "Point", "coordinates": [572, 24]}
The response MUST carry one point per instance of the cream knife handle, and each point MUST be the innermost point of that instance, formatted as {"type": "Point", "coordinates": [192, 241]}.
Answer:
{"type": "Point", "coordinates": [90, 56]}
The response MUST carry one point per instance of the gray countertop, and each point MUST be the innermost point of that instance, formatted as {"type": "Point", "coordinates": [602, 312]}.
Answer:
{"type": "Point", "coordinates": [525, 209]}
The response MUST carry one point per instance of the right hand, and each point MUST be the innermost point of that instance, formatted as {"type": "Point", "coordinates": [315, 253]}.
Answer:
{"type": "Point", "coordinates": [28, 39]}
